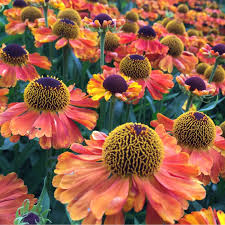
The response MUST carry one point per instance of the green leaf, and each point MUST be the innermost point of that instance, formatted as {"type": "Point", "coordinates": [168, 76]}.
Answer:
{"type": "Point", "coordinates": [44, 199]}
{"type": "Point", "coordinates": [211, 105]}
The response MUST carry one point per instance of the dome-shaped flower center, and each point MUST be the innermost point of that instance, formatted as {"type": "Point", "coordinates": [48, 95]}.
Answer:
{"type": "Point", "coordinates": [201, 67]}
{"type": "Point", "coordinates": [222, 126]}
{"type": "Point", "coordinates": [192, 32]}
{"type": "Point", "coordinates": [70, 14]}
{"type": "Point", "coordinates": [19, 3]}
{"type": "Point", "coordinates": [175, 45]}
{"type": "Point", "coordinates": [146, 7]}
{"type": "Point", "coordinates": [101, 17]}
{"type": "Point", "coordinates": [130, 27]}
{"type": "Point", "coordinates": [47, 94]}
{"type": "Point", "coordinates": [183, 8]}
{"type": "Point", "coordinates": [31, 13]}
{"type": "Point", "coordinates": [220, 48]}
{"type": "Point", "coordinates": [115, 84]}
{"type": "Point", "coordinates": [135, 66]}
{"type": "Point", "coordinates": [132, 16]}
{"type": "Point", "coordinates": [111, 41]}
{"type": "Point", "coordinates": [31, 218]}
{"type": "Point", "coordinates": [146, 33]}
{"type": "Point", "coordinates": [175, 27]}
{"type": "Point", "coordinates": [165, 21]}
{"type": "Point", "coordinates": [219, 75]}
{"type": "Point", "coordinates": [214, 15]}
{"type": "Point", "coordinates": [14, 54]}
{"type": "Point", "coordinates": [198, 9]}
{"type": "Point", "coordinates": [66, 28]}
{"type": "Point", "coordinates": [194, 130]}
{"type": "Point", "coordinates": [133, 149]}
{"type": "Point", "coordinates": [195, 83]}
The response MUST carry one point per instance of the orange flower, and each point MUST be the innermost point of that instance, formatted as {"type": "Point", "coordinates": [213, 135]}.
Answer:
{"type": "Point", "coordinates": [111, 82]}
{"type": "Point", "coordinates": [48, 113]}
{"type": "Point", "coordinates": [116, 173]}
{"type": "Point", "coordinates": [3, 98]}
{"type": "Point", "coordinates": [16, 63]}
{"type": "Point", "coordinates": [13, 192]}
{"type": "Point", "coordinates": [204, 216]}
{"type": "Point", "coordinates": [5, 2]}
{"type": "Point", "coordinates": [197, 134]}
{"type": "Point", "coordinates": [139, 69]}
{"type": "Point", "coordinates": [183, 60]}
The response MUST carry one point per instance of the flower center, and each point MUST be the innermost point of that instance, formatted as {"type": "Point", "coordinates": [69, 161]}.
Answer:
{"type": "Point", "coordinates": [132, 16]}
{"type": "Point", "coordinates": [66, 28]}
{"type": "Point", "coordinates": [214, 15]}
{"type": "Point", "coordinates": [115, 84]}
{"type": "Point", "coordinates": [192, 32]}
{"type": "Point", "coordinates": [222, 126]}
{"type": "Point", "coordinates": [130, 27]}
{"type": "Point", "coordinates": [219, 75]}
{"type": "Point", "coordinates": [70, 14]}
{"type": "Point", "coordinates": [146, 33]}
{"type": "Point", "coordinates": [111, 42]}
{"type": "Point", "coordinates": [165, 21]}
{"type": "Point", "coordinates": [175, 45]}
{"type": "Point", "coordinates": [220, 48]}
{"type": "Point", "coordinates": [47, 94]}
{"type": "Point", "coordinates": [201, 67]}
{"type": "Point", "coordinates": [194, 130]}
{"type": "Point", "coordinates": [101, 17]}
{"type": "Point", "coordinates": [14, 54]}
{"type": "Point", "coordinates": [31, 13]}
{"type": "Point", "coordinates": [133, 148]}
{"type": "Point", "coordinates": [183, 8]}
{"type": "Point", "coordinates": [146, 7]}
{"type": "Point", "coordinates": [176, 27]}
{"type": "Point", "coordinates": [135, 66]}
{"type": "Point", "coordinates": [31, 218]}
{"type": "Point", "coordinates": [19, 4]}
{"type": "Point", "coordinates": [196, 83]}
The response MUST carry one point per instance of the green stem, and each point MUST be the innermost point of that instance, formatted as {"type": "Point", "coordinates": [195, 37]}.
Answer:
{"type": "Point", "coordinates": [102, 114]}
{"type": "Point", "coordinates": [127, 113]}
{"type": "Point", "coordinates": [102, 48]}
{"type": "Point", "coordinates": [65, 62]}
{"type": "Point", "coordinates": [141, 109]}
{"type": "Point", "coordinates": [190, 99]}
{"type": "Point", "coordinates": [46, 14]}
{"type": "Point", "coordinates": [213, 72]}
{"type": "Point", "coordinates": [111, 114]}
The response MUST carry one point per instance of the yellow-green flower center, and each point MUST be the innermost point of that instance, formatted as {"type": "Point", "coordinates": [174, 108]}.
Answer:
{"type": "Point", "coordinates": [194, 130]}
{"type": "Point", "coordinates": [176, 27]}
{"type": "Point", "coordinates": [201, 67]}
{"type": "Point", "coordinates": [133, 148]}
{"type": "Point", "coordinates": [47, 94]}
{"type": "Point", "coordinates": [111, 41]}
{"type": "Point", "coordinates": [130, 27]}
{"type": "Point", "coordinates": [219, 75]}
{"type": "Point", "coordinates": [70, 14]}
{"type": "Point", "coordinates": [132, 16]}
{"type": "Point", "coordinates": [31, 13]}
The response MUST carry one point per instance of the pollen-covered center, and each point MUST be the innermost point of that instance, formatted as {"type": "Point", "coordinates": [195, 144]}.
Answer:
{"type": "Point", "coordinates": [146, 33]}
{"type": "Point", "coordinates": [132, 16]}
{"type": "Point", "coordinates": [182, 8]}
{"type": "Point", "coordinates": [31, 218]}
{"type": "Point", "coordinates": [47, 94]}
{"type": "Point", "coordinates": [70, 14]}
{"type": "Point", "coordinates": [19, 4]}
{"type": "Point", "coordinates": [133, 148]}
{"type": "Point", "coordinates": [219, 75]}
{"type": "Point", "coordinates": [111, 41]}
{"type": "Point", "coordinates": [31, 13]}
{"type": "Point", "coordinates": [130, 27]}
{"type": "Point", "coordinates": [101, 17]}
{"type": "Point", "coordinates": [66, 28]}
{"type": "Point", "coordinates": [14, 54]}
{"type": "Point", "coordinates": [176, 27]}
{"type": "Point", "coordinates": [220, 48]}
{"type": "Point", "coordinates": [135, 66]}
{"type": "Point", "coordinates": [175, 45]}
{"type": "Point", "coordinates": [115, 84]}
{"type": "Point", "coordinates": [194, 130]}
{"type": "Point", "coordinates": [196, 83]}
{"type": "Point", "coordinates": [201, 67]}
{"type": "Point", "coordinates": [192, 32]}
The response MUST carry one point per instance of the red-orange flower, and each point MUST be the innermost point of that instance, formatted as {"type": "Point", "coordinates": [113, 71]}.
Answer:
{"type": "Point", "coordinates": [48, 113]}
{"type": "Point", "coordinates": [13, 192]}
{"type": "Point", "coordinates": [197, 134]}
{"type": "Point", "coordinates": [204, 216]}
{"type": "Point", "coordinates": [116, 173]}
{"type": "Point", "coordinates": [16, 63]}
{"type": "Point", "coordinates": [139, 69]}
{"type": "Point", "coordinates": [3, 98]}
{"type": "Point", "coordinates": [183, 60]}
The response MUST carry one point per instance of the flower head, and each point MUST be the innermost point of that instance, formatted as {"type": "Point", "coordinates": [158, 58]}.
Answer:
{"type": "Point", "coordinates": [19, 4]}
{"type": "Point", "coordinates": [48, 112]}
{"type": "Point", "coordinates": [219, 75]}
{"type": "Point", "coordinates": [70, 14]}
{"type": "Point", "coordinates": [30, 13]}
{"type": "Point", "coordinates": [201, 67]}
{"type": "Point", "coordinates": [175, 27]}
{"type": "Point", "coordinates": [183, 8]}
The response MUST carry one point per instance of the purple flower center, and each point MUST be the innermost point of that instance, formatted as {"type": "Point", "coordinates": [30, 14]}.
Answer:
{"type": "Point", "coordinates": [67, 21]}
{"type": "Point", "coordinates": [195, 83]}
{"type": "Point", "coordinates": [31, 218]}
{"type": "Point", "coordinates": [138, 128]}
{"type": "Point", "coordinates": [14, 50]}
{"type": "Point", "coordinates": [147, 31]}
{"type": "Point", "coordinates": [19, 3]}
{"type": "Point", "coordinates": [101, 17]}
{"type": "Point", "coordinates": [137, 57]}
{"type": "Point", "coordinates": [115, 84]}
{"type": "Point", "coordinates": [220, 48]}
{"type": "Point", "coordinates": [198, 116]}
{"type": "Point", "coordinates": [48, 82]}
